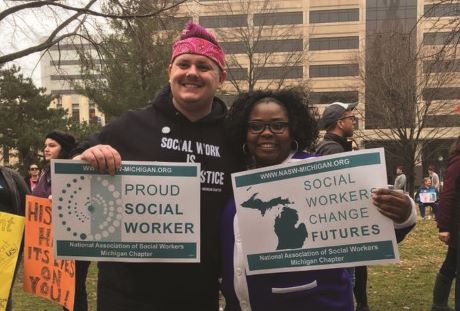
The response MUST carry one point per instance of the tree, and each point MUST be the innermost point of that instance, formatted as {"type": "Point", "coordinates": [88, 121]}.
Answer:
{"type": "Point", "coordinates": [26, 118]}
{"type": "Point", "coordinates": [403, 110]}
{"type": "Point", "coordinates": [131, 61]}
{"type": "Point", "coordinates": [58, 20]}
{"type": "Point", "coordinates": [261, 50]}
{"type": "Point", "coordinates": [81, 131]}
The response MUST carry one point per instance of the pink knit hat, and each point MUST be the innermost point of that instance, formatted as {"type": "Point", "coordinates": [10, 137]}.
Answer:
{"type": "Point", "coordinates": [195, 39]}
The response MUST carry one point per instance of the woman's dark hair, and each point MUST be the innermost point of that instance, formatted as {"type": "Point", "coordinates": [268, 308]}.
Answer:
{"type": "Point", "coordinates": [65, 140]}
{"type": "Point", "coordinates": [302, 125]}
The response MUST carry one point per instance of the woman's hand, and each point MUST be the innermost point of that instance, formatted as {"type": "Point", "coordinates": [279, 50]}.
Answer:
{"type": "Point", "coordinates": [104, 158]}
{"type": "Point", "coordinates": [395, 205]}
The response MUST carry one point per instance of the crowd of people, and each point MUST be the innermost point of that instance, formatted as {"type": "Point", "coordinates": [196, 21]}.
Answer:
{"type": "Point", "coordinates": [262, 128]}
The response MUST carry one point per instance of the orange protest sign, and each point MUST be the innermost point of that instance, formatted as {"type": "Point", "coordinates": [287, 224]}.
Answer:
{"type": "Point", "coordinates": [45, 276]}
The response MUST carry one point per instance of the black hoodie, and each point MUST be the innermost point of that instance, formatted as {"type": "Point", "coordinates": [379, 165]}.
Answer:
{"type": "Point", "coordinates": [159, 132]}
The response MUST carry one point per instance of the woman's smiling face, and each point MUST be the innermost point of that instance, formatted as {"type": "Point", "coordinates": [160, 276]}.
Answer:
{"type": "Point", "coordinates": [267, 147]}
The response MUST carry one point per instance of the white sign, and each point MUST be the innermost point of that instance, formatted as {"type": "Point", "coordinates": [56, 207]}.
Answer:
{"type": "Point", "coordinates": [427, 197]}
{"type": "Point", "coordinates": [147, 212]}
{"type": "Point", "coordinates": [314, 214]}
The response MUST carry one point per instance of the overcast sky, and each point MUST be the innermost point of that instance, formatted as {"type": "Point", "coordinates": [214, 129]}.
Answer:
{"type": "Point", "coordinates": [18, 32]}
{"type": "Point", "coordinates": [27, 28]}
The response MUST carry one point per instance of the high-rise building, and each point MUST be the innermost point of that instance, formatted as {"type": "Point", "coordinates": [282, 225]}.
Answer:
{"type": "Point", "coordinates": [60, 68]}
{"type": "Point", "coordinates": [396, 58]}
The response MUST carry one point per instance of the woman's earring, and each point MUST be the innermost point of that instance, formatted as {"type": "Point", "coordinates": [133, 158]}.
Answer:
{"type": "Point", "coordinates": [296, 145]}
{"type": "Point", "coordinates": [245, 149]}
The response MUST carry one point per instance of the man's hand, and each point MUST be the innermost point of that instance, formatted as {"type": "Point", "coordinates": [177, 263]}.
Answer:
{"type": "Point", "coordinates": [444, 237]}
{"type": "Point", "coordinates": [102, 157]}
{"type": "Point", "coordinates": [395, 205]}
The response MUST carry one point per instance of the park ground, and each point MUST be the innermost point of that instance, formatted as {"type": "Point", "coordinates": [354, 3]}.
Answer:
{"type": "Point", "coordinates": [404, 286]}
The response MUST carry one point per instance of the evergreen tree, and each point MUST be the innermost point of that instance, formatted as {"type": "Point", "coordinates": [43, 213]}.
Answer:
{"type": "Point", "coordinates": [25, 118]}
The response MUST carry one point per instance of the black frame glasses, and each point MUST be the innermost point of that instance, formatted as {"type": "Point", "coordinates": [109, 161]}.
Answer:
{"type": "Point", "coordinates": [33, 169]}
{"type": "Point", "coordinates": [276, 127]}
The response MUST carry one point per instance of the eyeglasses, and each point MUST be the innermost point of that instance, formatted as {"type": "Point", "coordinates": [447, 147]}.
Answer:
{"type": "Point", "coordinates": [353, 118]}
{"type": "Point", "coordinates": [276, 127]}
{"type": "Point", "coordinates": [34, 168]}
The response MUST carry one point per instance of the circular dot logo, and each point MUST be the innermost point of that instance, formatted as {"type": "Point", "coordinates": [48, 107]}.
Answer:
{"type": "Point", "coordinates": [94, 217]}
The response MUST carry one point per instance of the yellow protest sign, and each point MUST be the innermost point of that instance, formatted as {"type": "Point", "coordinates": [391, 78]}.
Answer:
{"type": "Point", "coordinates": [45, 276]}
{"type": "Point", "coordinates": [11, 229]}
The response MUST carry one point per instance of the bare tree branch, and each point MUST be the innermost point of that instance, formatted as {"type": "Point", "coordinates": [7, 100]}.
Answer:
{"type": "Point", "coordinates": [50, 41]}
{"type": "Point", "coordinates": [401, 113]}
{"type": "Point", "coordinates": [17, 8]}
{"type": "Point", "coordinates": [84, 11]}
{"type": "Point", "coordinates": [261, 46]}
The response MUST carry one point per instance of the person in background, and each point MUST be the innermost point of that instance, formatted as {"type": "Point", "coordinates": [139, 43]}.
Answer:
{"type": "Point", "coordinates": [427, 196]}
{"type": "Point", "coordinates": [274, 127]}
{"type": "Point", "coordinates": [434, 177]}
{"type": "Point", "coordinates": [360, 273]}
{"type": "Point", "coordinates": [400, 180]}
{"type": "Point", "coordinates": [32, 178]}
{"type": "Point", "coordinates": [13, 191]}
{"type": "Point", "coordinates": [448, 222]}
{"type": "Point", "coordinates": [58, 145]}
{"type": "Point", "coordinates": [186, 110]}
{"type": "Point", "coordinates": [339, 121]}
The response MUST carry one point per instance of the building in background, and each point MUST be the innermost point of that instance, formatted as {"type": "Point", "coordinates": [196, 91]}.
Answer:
{"type": "Point", "coordinates": [60, 68]}
{"type": "Point", "coordinates": [396, 58]}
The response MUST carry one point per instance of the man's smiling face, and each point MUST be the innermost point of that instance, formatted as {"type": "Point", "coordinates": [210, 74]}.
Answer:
{"type": "Point", "coordinates": [194, 80]}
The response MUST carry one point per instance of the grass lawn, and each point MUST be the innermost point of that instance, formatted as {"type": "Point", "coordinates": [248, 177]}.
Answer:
{"type": "Point", "coordinates": [23, 301]}
{"type": "Point", "coordinates": [409, 285]}
{"type": "Point", "coordinates": [405, 286]}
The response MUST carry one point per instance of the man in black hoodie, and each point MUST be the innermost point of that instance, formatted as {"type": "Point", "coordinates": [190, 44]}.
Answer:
{"type": "Point", "coordinates": [184, 123]}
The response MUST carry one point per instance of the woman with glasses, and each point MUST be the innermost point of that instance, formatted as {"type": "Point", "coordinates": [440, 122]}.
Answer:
{"type": "Point", "coordinates": [272, 128]}
{"type": "Point", "coordinates": [269, 128]}
{"type": "Point", "coordinates": [32, 179]}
